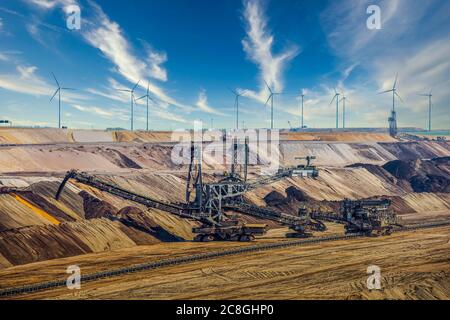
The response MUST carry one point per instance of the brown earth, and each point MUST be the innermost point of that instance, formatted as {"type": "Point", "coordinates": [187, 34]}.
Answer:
{"type": "Point", "coordinates": [52, 136]}
{"type": "Point", "coordinates": [89, 225]}
{"type": "Point", "coordinates": [414, 265]}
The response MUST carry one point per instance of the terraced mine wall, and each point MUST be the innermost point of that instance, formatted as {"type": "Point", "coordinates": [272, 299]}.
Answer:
{"type": "Point", "coordinates": [35, 227]}
{"type": "Point", "coordinates": [122, 158]}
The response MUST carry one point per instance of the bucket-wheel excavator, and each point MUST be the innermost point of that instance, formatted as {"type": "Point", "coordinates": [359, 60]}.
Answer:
{"type": "Point", "coordinates": [369, 217]}
{"type": "Point", "coordinates": [207, 202]}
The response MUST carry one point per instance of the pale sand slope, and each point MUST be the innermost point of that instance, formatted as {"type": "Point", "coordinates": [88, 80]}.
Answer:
{"type": "Point", "coordinates": [413, 266]}
{"type": "Point", "coordinates": [49, 136]}
{"type": "Point", "coordinates": [121, 158]}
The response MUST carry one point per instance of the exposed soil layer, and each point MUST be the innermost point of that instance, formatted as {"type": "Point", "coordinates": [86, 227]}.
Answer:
{"type": "Point", "coordinates": [423, 175]}
{"type": "Point", "coordinates": [136, 218]}
{"type": "Point", "coordinates": [289, 202]}
{"type": "Point", "coordinates": [95, 208]}
{"type": "Point", "coordinates": [51, 136]}
{"type": "Point", "coordinates": [415, 150]}
{"type": "Point", "coordinates": [414, 265]}
{"type": "Point", "coordinates": [35, 227]}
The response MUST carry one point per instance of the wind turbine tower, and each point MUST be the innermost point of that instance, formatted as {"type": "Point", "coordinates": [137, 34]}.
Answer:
{"type": "Point", "coordinates": [302, 95]}
{"type": "Point", "coordinates": [343, 100]}
{"type": "Point", "coordinates": [58, 92]}
{"type": "Point", "coordinates": [430, 105]}
{"type": "Point", "coordinates": [132, 102]}
{"type": "Point", "coordinates": [393, 130]}
{"type": "Point", "coordinates": [147, 96]}
{"type": "Point", "coordinates": [237, 94]}
{"type": "Point", "coordinates": [272, 94]}
{"type": "Point", "coordinates": [336, 96]}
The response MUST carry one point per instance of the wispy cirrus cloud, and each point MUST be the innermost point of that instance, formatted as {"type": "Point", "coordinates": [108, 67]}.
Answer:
{"type": "Point", "coordinates": [202, 104]}
{"type": "Point", "coordinates": [50, 4]}
{"type": "Point", "coordinates": [155, 62]}
{"type": "Point", "coordinates": [95, 111]}
{"type": "Point", "coordinates": [109, 38]}
{"type": "Point", "coordinates": [3, 57]}
{"type": "Point", "coordinates": [413, 41]}
{"type": "Point", "coordinates": [258, 45]}
{"type": "Point", "coordinates": [25, 80]}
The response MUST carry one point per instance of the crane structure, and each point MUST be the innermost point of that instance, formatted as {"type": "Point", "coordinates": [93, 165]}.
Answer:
{"type": "Point", "coordinates": [307, 170]}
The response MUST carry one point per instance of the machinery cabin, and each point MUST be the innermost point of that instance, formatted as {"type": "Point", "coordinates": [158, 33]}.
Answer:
{"type": "Point", "coordinates": [307, 170]}
{"type": "Point", "coordinates": [370, 217]}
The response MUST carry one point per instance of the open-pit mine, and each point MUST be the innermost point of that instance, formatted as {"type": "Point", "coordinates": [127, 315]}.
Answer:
{"type": "Point", "coordinates": [140, 226]}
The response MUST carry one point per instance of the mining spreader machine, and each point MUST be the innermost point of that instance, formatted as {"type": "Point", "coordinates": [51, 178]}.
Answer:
{"type": "Point", "coordinates": [369, 217]}
{"type": "Point", "coordinates": [209, 200]}
{"type": "Point", "coordinates": [212, 200]}
{"type": "Point", "coordinates": [206, 203]}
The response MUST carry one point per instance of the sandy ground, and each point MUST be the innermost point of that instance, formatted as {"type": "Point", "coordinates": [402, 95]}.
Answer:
{"type": "Point", "coordinates": [49, 136]}
{"type": "Point", "coordinates": [414, 265]}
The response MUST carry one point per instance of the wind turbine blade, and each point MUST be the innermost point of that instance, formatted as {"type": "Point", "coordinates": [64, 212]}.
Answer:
{"type": "Point", "coordinates": [333, 99]}
{"type": "Point", "coordinates": [398, 96]}
{"type": "Point", "coordinates": [268, 87]}
{"type": "Point", "coordinates": [134, 88]}
{"type": "Point", "coordinates": [148, 88]}
{"type": "Point", "coordinates": [57, 83]}
{"type": "Point", "coordinates": [232, 91]}
{"type": "Point", "coordinates": [386, 91]}
{"type": "Point", "coordinates": [124, 90]}
{"type": "Point", "coordinates": [72, 89]}
{"type": "Point", "coordinates": [243, 93]}
{"type": "Point", "coordinates": [268, 99]}
{"type": "Point", "coordinates": [141, 98]}
{"type": "Point", "coordinates": [56, 92]}
{"type": "Point", "coordinates": [395, 83]}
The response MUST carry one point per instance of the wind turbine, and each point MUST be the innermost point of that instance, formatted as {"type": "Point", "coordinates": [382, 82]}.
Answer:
{"type": "Point", "coordinates": [132, 101]}
{"type": "Point", "coordinates": [236, 104]}
{"type": "Point", "coordinates": [393, 118]}
{"type": "Point", "coordinates": [147, 96]}
{"type": "Point", "coordinates": [302, 95]}
{"type": "Point", "coordinates": [344, 100]}
{"type": "Point", "coordinates": [429, 95]}
{"type": "Point", "coordinates": [272, 94]}
{"type": "Point", "coordinates": [336, 96]}
{"type": "Point", "coordinates": [58, 92]}
{"type": "Point", "coordinates": [394, 93]}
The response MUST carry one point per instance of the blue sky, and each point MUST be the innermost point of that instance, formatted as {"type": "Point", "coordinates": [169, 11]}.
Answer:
{"type": "Point", "coordinates": [191, 52]}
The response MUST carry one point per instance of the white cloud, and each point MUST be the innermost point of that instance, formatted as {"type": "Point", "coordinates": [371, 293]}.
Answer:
{"type": "Point", "coordinates": [26, 72]}
{"type": "Point", "coordinates": [26, 81]}
{"type": "Point", "coordinates": [155, 60]}
{"type": "Point", "coordinates": [164, 114]}
{"type": "Point", "coordinates": [258, 46]}
{"type": "Point", "coordinates": [1, 24]}
{"type": "Point", "coordinates": [95, 110]}
{"type": "Point", "coordinates": [109, 38]}
{"type": "Point", "coordinates": [413, 42]}
{"type": "Point", "coordinates": [202, 104]}
{"type": "Point", "coordinates": [50, 4]}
